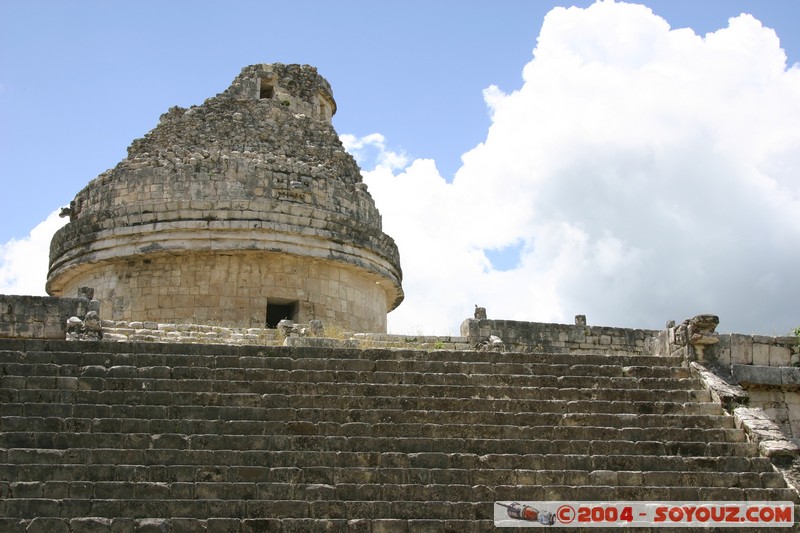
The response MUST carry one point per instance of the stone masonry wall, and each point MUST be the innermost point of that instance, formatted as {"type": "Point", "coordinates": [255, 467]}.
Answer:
{"type": "Point", "coordinates": [229, 289]}
{"type": "Point", "coordinates": [122, 331]}
{"type": "Point", "coordinates": [766, 367]}
{"type": "Point", "coordinates": [558, 338]}
{"type": "Point", "coordinates": [758, 350]}
{"type": "Point", "coordinates": [38, 317]}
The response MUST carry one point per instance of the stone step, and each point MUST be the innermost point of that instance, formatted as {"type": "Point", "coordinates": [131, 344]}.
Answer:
{"type": "Point", "coordinates": [72, 465]}
{"type": "Point", "coordinates": [246, 482]}
{"type": "Point", "coordinates": [244, 525]}
{"type": "Point", "coordinates": [59, 417]}
{"type": "Point", "coordinates": [234, 436]}
{"type": "Point", "coordinates": [339, 422]}
{"type": "Point", "coordinates": [270, 368]}
{"type": "Point", "coordinates": [167, 391]}
{"type": "Point", "coordinates": [350, 408]}
{"type": "Point", "coordinates": [251, 449]}
{"type": "Point", "coordinates": [79, 404]}
{"type": "Point", "coordinates": [442, 502]}
{"type": "Point", "coordinates": [248, 525]}
{"type": "Point", "coordinates": [271, 417]}
{"type": "Point", "coordinates": [115, 381]}
{"type": "Point", "coordinates": [175, 355]}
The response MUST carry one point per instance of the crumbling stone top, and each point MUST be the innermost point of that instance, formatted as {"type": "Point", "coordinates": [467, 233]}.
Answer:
{"type": "Point", "coordinates": [295, 84]}
{"type": "Point", "coordinates": [262, 156]}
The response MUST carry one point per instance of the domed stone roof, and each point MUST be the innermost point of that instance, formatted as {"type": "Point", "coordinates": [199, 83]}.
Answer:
{"type": "Point", "coordinates": [227, 209]}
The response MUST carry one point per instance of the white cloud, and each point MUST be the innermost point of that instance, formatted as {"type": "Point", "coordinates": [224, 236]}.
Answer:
{"type": "Point", "coordinates": [648, 173]}
{"type": "Point", "coordinates": [371, 150]}
{"type": "Point", "coordinates": [23, 262]}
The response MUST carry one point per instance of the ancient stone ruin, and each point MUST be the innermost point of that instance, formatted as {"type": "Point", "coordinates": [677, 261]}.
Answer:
{"type": "Point", "coordinates": [186, 374]}
{"type": "Point", "coordinates": [245, 211]}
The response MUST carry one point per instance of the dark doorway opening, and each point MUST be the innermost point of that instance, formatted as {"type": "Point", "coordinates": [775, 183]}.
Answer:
{"type": "Point", "coordinates": [280, 311]}
{"type": "Point", "coordinates": [266, 91]}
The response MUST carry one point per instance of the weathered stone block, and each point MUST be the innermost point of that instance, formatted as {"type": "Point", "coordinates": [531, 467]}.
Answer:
{"type": "Point", "coordinates": [778, 448]}
{"type": "Point", "coordinates": [91, 525]}
{"type": "Point", "coordinates": [231, 525]}
{"type": "Point", "coordinates": [760, 353]}
{"type": "Point", "coordinates": [724, 356]}
{"type": "Point", "coordinates": [779, 355]}
{"type": "Point", "coordinates": [763, 396]}
{"type": "Point", "coordinates": [741, 349]}
{"type": "Point", "coordinates": [792, 397]}
{"type": "Point", "coordinates": [790, 377]}
{"type": "Point", "coordinates": [749, 375]}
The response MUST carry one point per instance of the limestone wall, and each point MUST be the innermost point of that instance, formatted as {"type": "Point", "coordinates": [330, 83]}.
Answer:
{"type": "Point", "coordinates": [38, 317]}
{"type": "Point", "coordinates": [563, 338]}
{"type": "Point", "coordinates": [759, 350]}
{"type": "Point", "coordinates": [333, 337]}
{"type": "Point", "coordinates": [235, 289]}
{"type": "Point", "coordinates": [766, 368]}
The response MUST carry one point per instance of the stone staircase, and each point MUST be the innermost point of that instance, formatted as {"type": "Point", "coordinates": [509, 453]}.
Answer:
{"type": "Point", "coordinates": [188, 438]}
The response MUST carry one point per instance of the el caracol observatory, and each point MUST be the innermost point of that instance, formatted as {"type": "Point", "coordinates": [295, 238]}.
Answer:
{"type": "Point", "coordinates": [244, 211]}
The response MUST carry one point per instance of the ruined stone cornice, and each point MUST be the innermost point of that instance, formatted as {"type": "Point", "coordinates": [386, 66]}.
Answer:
{"type": "Point", "coordinates": [221, 236]}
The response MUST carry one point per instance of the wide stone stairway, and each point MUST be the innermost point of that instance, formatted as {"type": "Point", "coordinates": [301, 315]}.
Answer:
{"type": "Point", "coordinates": [171, 437]}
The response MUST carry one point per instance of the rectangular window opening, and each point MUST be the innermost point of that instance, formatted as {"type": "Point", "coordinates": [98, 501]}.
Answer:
{"type": "Point", "coordinates": [280, 311]}
{"type": "Point", "coordinates": [266, 91]}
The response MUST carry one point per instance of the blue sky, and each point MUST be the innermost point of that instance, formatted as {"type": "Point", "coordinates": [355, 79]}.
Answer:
{"type": "Point", "coordinates": [80, 80]}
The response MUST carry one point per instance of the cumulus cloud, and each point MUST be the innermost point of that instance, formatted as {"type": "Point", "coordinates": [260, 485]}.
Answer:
{"type": "Point", "coordinates": [23, 262]}
{"type": "Point", "coordinates": [639, 174]}
{"type": "Point", "coordinates": [371, 150]}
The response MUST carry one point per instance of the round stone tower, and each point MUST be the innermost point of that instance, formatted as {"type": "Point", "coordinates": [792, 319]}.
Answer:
{"type": "Point", "coordinates": [242, 211]}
